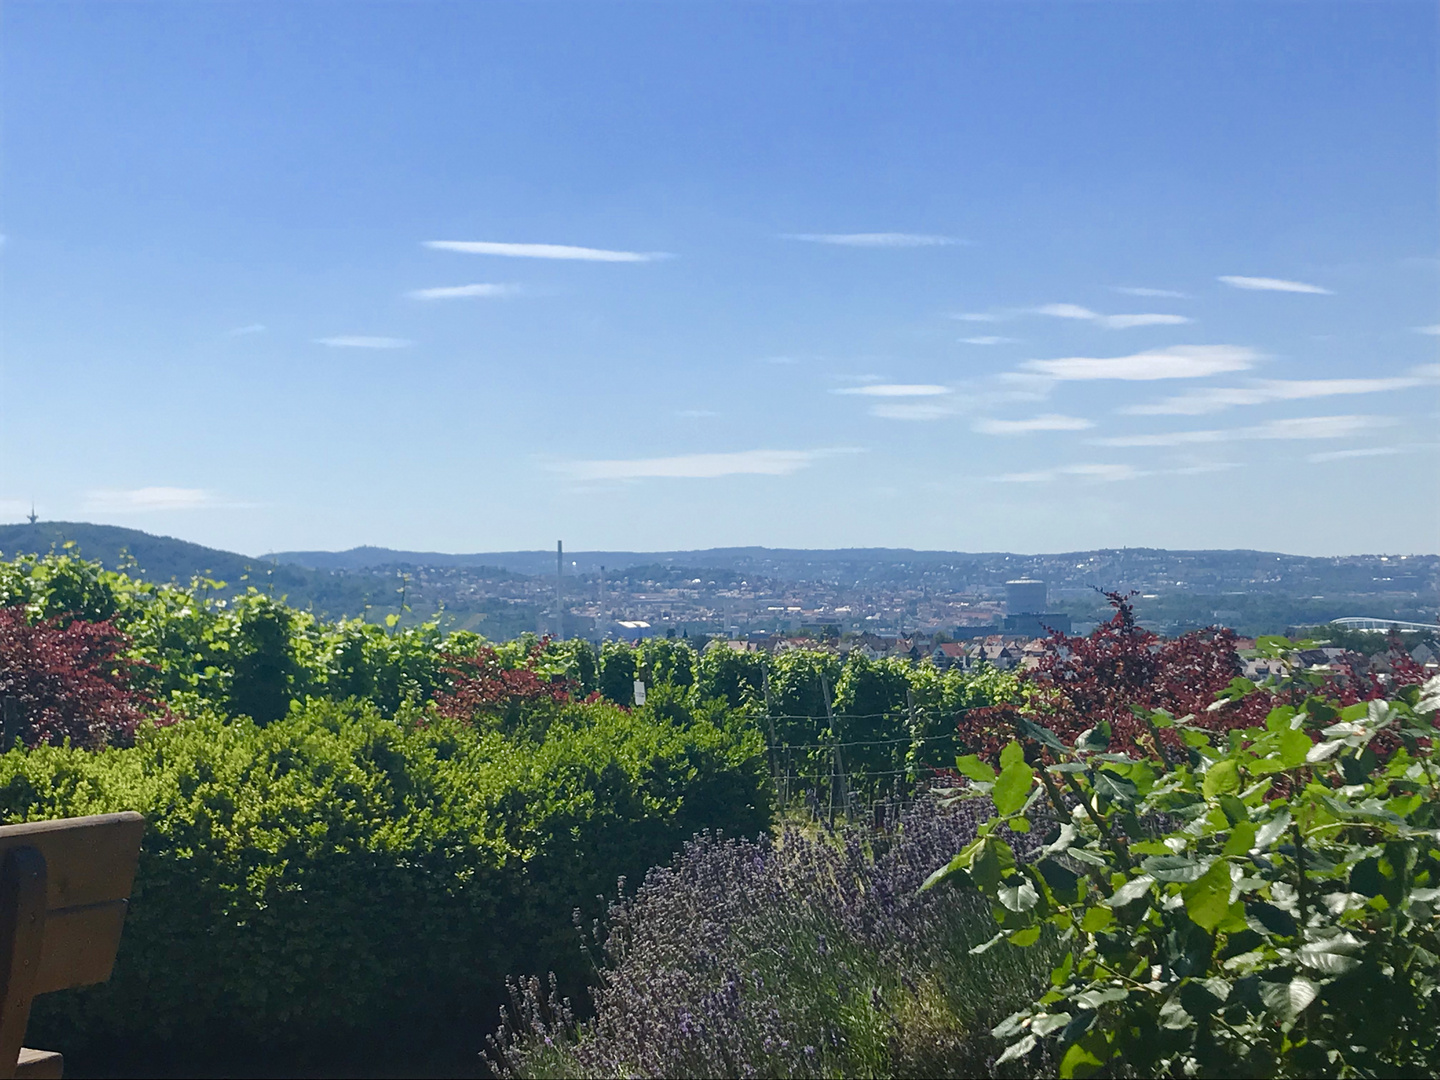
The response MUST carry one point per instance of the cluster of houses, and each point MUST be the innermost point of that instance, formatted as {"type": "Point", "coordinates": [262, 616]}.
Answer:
{"type": "Point", "coordinates": [1006, 652]}
{"type": "Point", "coordinates": [1002, 651]}
{"type": "Point", "coordinates": [1260, 668]}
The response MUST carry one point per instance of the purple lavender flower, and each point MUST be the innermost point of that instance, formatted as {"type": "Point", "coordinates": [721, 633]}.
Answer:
{"type": "Point", "coordinates": [809, 954]}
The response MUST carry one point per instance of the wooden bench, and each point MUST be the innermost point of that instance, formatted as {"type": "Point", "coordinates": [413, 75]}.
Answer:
{"type": "Point", "coordinates": [64, 888]}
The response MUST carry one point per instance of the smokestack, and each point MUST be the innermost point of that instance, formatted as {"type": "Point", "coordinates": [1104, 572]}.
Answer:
{"type": "Point", "coordinates": [559, 591]}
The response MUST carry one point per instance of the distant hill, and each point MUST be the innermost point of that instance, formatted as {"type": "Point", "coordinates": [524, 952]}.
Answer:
{"type": "Point", "coordinates": [166, 559]}
{"type": "Point", "coordinates": [371, 558]}
{"type": "Point", "coordinates": [338, 589]}
{"type": "Point", "coordinates": [161, 558]}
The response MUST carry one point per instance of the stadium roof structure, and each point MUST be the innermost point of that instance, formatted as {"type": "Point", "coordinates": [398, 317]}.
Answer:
{"type": "Point", "coordinates": [1362, 622]}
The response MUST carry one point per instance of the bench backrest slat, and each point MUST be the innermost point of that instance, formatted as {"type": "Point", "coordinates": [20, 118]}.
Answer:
{"type": "Point", "coordinates": [79, 946]}
{"type": "Point", "coordinates": [88, 860]}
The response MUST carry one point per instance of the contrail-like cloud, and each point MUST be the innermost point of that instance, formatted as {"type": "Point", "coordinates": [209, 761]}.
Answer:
{"type": "Point", "coordinates": [1302, 427]}
{"type": "Point", "coordinates": [1270, 284]}
{"type": "Point", "coordinates": [546, 251]}
{"type": "Point", "coordinates": [699, 466]}
{"type": "Point", "coordinates": [1095, 473]}
{"type": "Point", "coordinates": [875, 239]}
{"type": "Point", "coordinates": [1214, 399]}
{"type": "Point", "coordinates": [1113, 322]}
{"type": "Point", "coordinates": [895, 390]}
{"type": "Point", "coordinates": [1177, 362]}
{"type": "Point", "coordinates": [458, 292]}
{"type": "Point", "coordinates": [1140, 290]}
{"type": "Point", "coordinates": [1048, 422]}
{"type": "Point", "coordinates": [363, 341]}
{"type": "Point", "coordinates": [147, 499]}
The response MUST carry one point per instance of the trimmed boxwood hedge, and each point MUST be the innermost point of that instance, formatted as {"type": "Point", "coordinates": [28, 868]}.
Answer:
{"type": "Point", "coordinates": [340, 880]}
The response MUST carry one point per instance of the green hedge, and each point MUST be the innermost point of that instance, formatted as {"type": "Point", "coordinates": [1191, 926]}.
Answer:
{"type": "Point", "coordinates": [338, 878]}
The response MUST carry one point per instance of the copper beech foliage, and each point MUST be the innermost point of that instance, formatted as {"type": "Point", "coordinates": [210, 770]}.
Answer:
{"type": "Point", "coordinates": [1122, 672]}
{"type": "Point", "coordinates": [71, 681]}
{"type": "Point", "coordinates": [482, 682]}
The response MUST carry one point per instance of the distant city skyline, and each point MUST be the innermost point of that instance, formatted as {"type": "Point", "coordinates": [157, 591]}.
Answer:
{"type": "Point", "coordinates": [453, 277]}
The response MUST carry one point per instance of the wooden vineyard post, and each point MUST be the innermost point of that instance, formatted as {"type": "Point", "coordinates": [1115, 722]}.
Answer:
{"type": "Point", "coordinates": [782, 795]}
{"type": "Point", "coordinates": [837, 761]}
{"type": "Point", "coordinates": [915, 738]}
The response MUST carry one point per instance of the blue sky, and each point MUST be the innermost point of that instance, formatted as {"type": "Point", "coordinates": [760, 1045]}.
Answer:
{"type": "Point", "coordinates": [1036, 277]}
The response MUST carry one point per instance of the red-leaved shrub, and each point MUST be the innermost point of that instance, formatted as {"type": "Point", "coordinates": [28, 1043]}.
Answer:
{"type": "Point", "coordinates": [1121, 667]}
{"type": "Point", "coordinates": [481, 684]}
{"type": "Point", "coordinates": [69, 681]}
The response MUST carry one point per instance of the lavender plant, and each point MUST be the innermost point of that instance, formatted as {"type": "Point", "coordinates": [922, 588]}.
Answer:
{"type": "Point", "coordinates": [815, 954]}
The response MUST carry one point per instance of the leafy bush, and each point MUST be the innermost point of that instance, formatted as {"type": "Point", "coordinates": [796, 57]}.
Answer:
{"type": "Point", "coordinates": [1238, 897]}
{"type": "Point", "coordinates": [734, 677]}
{"type": "Point", "coordinates": [340, 878]}
{"type": "Point", "coordinates": [617, 672]}
{"type": "Point", "coordinates": [666, 662]}
{"type": "Point", "coordinates": [813, 956]}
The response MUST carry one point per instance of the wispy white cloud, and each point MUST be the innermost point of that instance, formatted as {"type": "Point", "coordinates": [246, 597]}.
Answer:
{"type": "Point", "coordinates": [361, 341]}
{"type": "Point", "coordinates": [148, 499]}
{"type": "Point", "coordinates": [895, 390]}
{"type": "Point", "coordinates": [1316, 427]}
{"type": "Point", "coordinates": [1104, 473]}
{"type": "Point", "coordinates": [1202, 467]}
{"type": "Point", "coordinates": [457, 292]}
{"type": "Point", "coordinates": [1065, 311]}
{"type": "Point", "coordinates": [780, 360]}
{"type": "Point", "coordinates": [1113, 322]}
{"type": "Point", "coordinates": [930, 409]}
{"type": "Point", "coordinates": [1304, 427]}
{"type": "Point", "coordinates": [1177, 362]}
{"type": "Point", "coordinates": [1044, 476]}
{"type": "Point", "coordinates": [1108, 473]}
{"type": "Point", "coordinates": [545, 251]}
{"type": "Point", "coordinates": [1270, 284]}
{"type": "Point", "coordinates": [252, 328]}
{"type": "Point", "coordinates": [1125, 322]}
{"type": "Point", "coordinates": [1048, 422]}
{"type": "Point", "coordinates": [1023, 386]}
{"type": "Point", "coordinates": [699, 466]}
{"type": "Point", "coordinates": [1097, 473]}
{"type": "Point", "coordinates": [989, 339]}
{"type": "Point", "coordinates": [1358, 452]}
{"type": "Point", "coordinates": [875, 239]}
{"type": "Point", "coordinates": [696, 413]}
{"type": "Point", "coordinates": [1080, 313]}
{"type": "Point", "coordinates": [1140, 290]}
{"type": "Point", "coordinates": [1428, 329]}
{"type": "Point", "coordinates": [1214, 399]}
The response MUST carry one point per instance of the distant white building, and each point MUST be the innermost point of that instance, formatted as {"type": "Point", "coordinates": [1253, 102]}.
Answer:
{"type": "Point", "coordinates": [1025, 596]}
{"type": "Point", "coordinates": [629, 630]}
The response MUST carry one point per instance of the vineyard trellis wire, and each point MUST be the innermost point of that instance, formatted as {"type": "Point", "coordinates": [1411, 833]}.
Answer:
{"type": "Point", "coordinates": [833, 762]}
{"type": "Point", "coordinates": [816, 775]}
{"type": "Point", "coordinates": [839, 775]}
